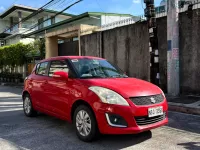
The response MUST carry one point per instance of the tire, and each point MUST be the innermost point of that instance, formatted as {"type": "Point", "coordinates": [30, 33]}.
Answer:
{"type": "Point", "coordinates": [91, 134]}
{"type": "Point", "coordinates": [28, 107]}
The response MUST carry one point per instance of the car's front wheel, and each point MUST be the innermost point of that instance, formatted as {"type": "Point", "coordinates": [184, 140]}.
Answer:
{"type": "Point", "coordinates": [85, 124]}
{"type": "Point", "coordinates": [28, 107]}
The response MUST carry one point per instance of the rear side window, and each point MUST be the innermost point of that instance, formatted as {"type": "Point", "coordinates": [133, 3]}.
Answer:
{"type": "Point", "coordinates": [37, 67]}
{"type": "Point", "coordinates": [42, 68]}
{"type": "Point", "coordinates": [58, 65]}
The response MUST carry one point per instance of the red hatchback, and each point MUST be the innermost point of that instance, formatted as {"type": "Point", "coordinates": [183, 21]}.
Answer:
{"type": "Point", "coordinates": [95, 95]}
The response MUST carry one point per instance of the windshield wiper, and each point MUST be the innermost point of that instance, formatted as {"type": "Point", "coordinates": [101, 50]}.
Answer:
{"type": "Point", "coordinates": [119, 75]}
{"type": "Point", "coordinates": [94, 76]}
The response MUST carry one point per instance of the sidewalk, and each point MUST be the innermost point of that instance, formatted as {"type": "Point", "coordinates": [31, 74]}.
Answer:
{"type": "Point", "coordinates": [16, 85]}
{"type": "Point", "coordinates": [185, 104]}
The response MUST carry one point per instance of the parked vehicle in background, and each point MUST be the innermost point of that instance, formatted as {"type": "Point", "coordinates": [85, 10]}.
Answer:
{"type": "Point", "coordinates": [94, 95]}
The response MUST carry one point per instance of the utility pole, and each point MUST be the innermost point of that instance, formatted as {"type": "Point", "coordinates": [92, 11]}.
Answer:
{"type": "Point", "coordinates": [173, 47]}
{"type": "Point", "coordinates": [153, 38]}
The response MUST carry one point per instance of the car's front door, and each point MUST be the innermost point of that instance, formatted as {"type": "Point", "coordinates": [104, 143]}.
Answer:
{"type": "Point", "coordinates": [56, 90]}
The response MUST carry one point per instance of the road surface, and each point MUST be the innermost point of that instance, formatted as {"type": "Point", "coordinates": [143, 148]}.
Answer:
{"type": "Point", "coordinates": [48, 133]}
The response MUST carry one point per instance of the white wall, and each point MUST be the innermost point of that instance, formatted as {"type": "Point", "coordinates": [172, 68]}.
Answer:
{"type": "Point", "coordinates": [3, 25]}
{"type": "Point", "coordinates": [27, 40]}
{"type": "Point", "coordinates": [60, 18]}
{"type": "Point", "coordinates": [17, 38]}
{"type": "Point", "coordinates": [13, 40]}
{"type": "Point", "coordinates": [110, 19]}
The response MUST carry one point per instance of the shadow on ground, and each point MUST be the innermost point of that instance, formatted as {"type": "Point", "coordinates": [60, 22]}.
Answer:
{"type": "Point", "coordinates": [45, 132]}
{"type": "Point", "coordinates": [191, 145]}
{"type": "Point", "coordinates": [186, 122]}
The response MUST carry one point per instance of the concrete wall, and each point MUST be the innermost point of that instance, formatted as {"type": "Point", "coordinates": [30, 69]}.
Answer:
{"type": "Point", "coordinates": [51, 44]}
{"type": "Point", "coordinates": [123, 47]}
{"type": "Point", "coordinates": [127, 47]}
{"type": "Point", "coordinates": [90, 44]}
{"type": "Point", "coordinates": [189, 30]}
{"type": "Point", "coordinates": [190, 54]}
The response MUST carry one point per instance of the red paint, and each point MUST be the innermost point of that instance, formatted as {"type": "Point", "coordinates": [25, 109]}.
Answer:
{"type": "Point", "coordinates": [56, 96]}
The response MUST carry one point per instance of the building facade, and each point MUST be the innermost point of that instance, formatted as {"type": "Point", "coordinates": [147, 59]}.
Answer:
{"type": "Point", "coordinates": [12, 26]}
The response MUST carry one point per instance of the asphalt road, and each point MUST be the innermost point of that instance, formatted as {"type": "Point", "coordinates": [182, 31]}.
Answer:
{"type": "Point", "coordinates": [48, 133]}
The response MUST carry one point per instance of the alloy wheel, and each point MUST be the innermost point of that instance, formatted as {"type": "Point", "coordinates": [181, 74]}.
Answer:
{"type": "Point", "coordinates": [27, 105]}
{"type": "Point", "coordinates": [83, 123]}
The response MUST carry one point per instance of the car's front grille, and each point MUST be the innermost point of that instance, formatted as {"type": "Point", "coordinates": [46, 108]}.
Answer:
{"type": "Point", "coordinates": [142, 121]}
{"type": "Point", "coordinates": [147, 100]}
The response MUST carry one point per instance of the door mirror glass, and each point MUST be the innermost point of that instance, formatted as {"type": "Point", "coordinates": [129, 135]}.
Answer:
{"type": "Point", "coordinates": [61, 75]}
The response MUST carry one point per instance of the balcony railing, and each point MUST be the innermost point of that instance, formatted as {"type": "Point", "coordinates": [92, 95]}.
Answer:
{"type": "Point", "coordinates": [17, 30]}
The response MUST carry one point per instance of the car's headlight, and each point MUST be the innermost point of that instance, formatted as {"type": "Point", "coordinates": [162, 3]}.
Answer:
{"type": "Point", "coordinates": [109, 96]}
{"type": "Point", "coordinates": [163, 94]}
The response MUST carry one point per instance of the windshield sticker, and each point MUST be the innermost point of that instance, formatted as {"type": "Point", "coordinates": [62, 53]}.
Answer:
{"type": "Point", "coordinates": [74, 60]}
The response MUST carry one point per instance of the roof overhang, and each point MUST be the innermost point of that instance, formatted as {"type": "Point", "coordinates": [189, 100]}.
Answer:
{"type": "Point", "coordinates": [4, 35]}
{"type": "Point", "coordinates": [17, 7]}
{"type": "Point", "coordinates": [85, 15]}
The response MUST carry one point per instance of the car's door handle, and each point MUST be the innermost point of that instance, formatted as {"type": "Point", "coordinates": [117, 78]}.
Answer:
{"type": "Point", "coordinates": [45, 82]}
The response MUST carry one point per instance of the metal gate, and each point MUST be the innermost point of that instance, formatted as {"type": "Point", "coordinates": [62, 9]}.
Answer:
{"type": "Point", "coordinates": [68, 49]}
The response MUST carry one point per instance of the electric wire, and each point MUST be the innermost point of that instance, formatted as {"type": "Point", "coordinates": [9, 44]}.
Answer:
{"type": "Point", "coordinates": [34, 26]}
{"type": "Point", "coordinates": [41, 9]}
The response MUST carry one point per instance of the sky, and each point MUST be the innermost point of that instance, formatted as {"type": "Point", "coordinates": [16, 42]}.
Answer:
{"type": "Point", "coordinates": [134, 7]}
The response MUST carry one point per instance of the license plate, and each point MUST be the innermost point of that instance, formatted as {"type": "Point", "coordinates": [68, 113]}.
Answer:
{"type": "Point", "coordinates": [156, 111]}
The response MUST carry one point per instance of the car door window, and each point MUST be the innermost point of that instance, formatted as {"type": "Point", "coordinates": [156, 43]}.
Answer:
{"type": "Point", "coordinates": [58, 65]}
{"type": "Point", "coordinates": [42, 69]}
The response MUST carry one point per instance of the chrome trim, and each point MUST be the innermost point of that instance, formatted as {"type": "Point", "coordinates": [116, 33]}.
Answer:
{"type": "Point", "coordinates": [113, 125]}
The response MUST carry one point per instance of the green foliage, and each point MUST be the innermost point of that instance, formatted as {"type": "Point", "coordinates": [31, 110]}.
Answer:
{"type": "Point", "coordinates": [39, 44]}
{"type": "Point", "coordinates": [14, 55]}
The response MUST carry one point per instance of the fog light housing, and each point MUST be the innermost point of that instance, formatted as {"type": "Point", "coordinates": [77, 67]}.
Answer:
{"type": "Point", "coordinates": [116, 120]}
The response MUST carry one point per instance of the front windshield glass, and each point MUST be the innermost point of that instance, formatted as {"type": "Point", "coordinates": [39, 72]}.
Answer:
{"type": "Point", "coordinates": [96, 68]}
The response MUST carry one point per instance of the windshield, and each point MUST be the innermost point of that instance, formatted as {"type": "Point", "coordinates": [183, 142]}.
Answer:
{"type": "Point", "coordinates": [96, 68]}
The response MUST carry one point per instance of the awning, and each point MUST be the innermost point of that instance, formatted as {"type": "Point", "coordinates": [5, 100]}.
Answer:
{"type": "Point", "coordinates": [4, 35]}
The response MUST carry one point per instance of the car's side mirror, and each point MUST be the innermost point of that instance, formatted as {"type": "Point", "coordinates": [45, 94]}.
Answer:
{"type": "Point", "coordinates": [61, 75]}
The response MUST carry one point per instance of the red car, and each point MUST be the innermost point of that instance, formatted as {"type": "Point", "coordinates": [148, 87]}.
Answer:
{"type": "Point", "coordinates": [96, 96]}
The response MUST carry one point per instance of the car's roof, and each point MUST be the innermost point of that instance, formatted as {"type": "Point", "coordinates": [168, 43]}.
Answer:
{"type": "Point", "coordinates": [70, 57]}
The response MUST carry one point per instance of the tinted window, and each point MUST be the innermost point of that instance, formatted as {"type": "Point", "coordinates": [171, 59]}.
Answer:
{"type": "Point", "coordinates": [60, 65]}
{"type": "Point", "coordinates": [96, 68]}
{"type": "Point", "coordinates": [42, 69]}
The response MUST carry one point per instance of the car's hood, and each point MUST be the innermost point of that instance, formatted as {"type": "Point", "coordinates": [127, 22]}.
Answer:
{"type": "Point", "coordinates": [127, 87]}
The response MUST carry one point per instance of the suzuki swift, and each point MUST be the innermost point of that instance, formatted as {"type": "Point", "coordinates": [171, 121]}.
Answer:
{"type": "Point", "coordinates": [94, 95]}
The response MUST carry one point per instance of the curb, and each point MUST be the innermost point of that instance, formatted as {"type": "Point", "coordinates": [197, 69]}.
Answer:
{"type": "Point", "coordinates": [184, 109]}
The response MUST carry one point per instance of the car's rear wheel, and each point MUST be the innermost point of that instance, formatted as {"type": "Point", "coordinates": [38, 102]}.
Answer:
{"type": "Point", "coordinates": [85, 124]}
{"type": "Point", "coordinates": [28, 107]}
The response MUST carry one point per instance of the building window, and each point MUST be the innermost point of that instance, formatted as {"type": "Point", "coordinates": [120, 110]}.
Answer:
{"type": "Point", "coordinates": [40, 23]}
{"type": "Point", "coordinates": [53, 20]}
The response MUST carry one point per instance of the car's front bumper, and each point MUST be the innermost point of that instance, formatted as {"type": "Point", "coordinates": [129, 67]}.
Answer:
{"type": "Point", "coordinates": [128, 113]}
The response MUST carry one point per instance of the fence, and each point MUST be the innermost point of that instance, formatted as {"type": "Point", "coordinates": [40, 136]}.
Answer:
{"type": "Point", "coordinates": [141, 18]}
{"type": "Point", "coordinates": [128, 47]}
